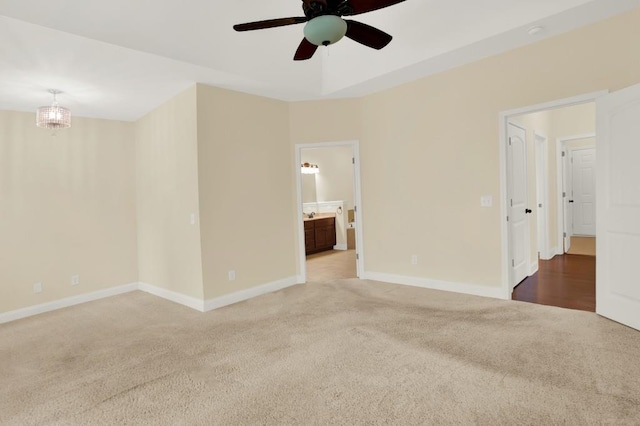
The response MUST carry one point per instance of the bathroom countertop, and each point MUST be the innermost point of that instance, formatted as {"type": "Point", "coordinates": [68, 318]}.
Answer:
{"type": "Point", "coordinates": [319, 216]}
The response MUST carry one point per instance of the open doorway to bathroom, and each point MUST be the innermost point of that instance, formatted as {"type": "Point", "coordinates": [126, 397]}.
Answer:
{"type": "Point", "coordinates": [328, 191]}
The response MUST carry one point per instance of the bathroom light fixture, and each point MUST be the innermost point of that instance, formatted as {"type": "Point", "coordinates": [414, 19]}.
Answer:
{"type": "Point", "coordinates": [53, 116]}
{"type": "Point", "coordinates": [309, 169]}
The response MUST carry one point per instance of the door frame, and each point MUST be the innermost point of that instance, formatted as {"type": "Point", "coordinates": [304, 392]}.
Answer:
{"type": "Point", "coordinates": [541, 149]}
{"type": "Point", "coordinates": [357, 197]}
{"type": "Point", "coordinates": [503, 120]}
{"type": "Point", "coordinates": [562, 168]}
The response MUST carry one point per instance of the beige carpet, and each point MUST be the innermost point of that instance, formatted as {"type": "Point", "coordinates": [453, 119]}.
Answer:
{"type": "Point", "coordinates": [583, 245]}
{"type": "Point", "coordinates": [351, 352]}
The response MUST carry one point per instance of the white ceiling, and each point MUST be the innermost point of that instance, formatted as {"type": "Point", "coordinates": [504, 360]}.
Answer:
{"type": "Point", "coordinates": [120, 59]}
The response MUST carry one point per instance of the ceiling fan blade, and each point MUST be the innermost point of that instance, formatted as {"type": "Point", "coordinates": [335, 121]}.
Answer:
{"type": "Point", "coordinates": [367, 35]}
{"type": "Point", "coordinates": [363, 6]}
{"type": "Point", "coordinates": [305, 50]}
{"type": "Point", "coordinates": [269, 23]}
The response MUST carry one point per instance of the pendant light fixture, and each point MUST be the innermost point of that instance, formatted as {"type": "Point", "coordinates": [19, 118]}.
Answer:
{"type": "Point", "coordinates": [325, 30]}
{"type": "Point", "coordinates": [53, 116]}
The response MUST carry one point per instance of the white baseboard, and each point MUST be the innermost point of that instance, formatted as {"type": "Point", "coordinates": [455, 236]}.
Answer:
{"type": "Point", "coordinates": [182, 299]}
{"type": "Point", "coordinates": [191, 302]}
{"type": "Point", "coordinates": [476, 290]}
{"type": "Point", "coordinates": [340, 247]}
{"type": "Point", "coordinates": [66, 302]}
{"type": "Point", "coordinates": [546, 254]}
{"type": "Point", "coordinates": [533, 268]}
{"type": "Point", "coordinates": [555, 251]}
{"type": "Point", "coordinates": [239, 296]}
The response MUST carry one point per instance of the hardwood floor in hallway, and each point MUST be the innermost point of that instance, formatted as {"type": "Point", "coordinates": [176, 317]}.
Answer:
{"type": "Point", "coordinates": [566, 281]}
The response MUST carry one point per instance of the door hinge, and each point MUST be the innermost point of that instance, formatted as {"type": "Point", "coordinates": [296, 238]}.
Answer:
{"type": "Point", "coordinates": [507, 218]}
{"type": "Point", "coordinates": [353, 160]}
{"type": "Point", "coordinates": [513, 263]}
{"type": "Point", "coordinates": [357, 256]}
{"type": "Point", "coordinates": [564, 195]}
{"type": "Point", "coordinates": [511, 202]}
{"type": "Point", "coordinates": [509, 141]}
{"type": "Point", "coordinates": [564, 154]}
{"type": "Point", "coordinates": [540, 205]}
{"type": "Point", "coordinates": [355, 209]}
{"type": "Point", "coordinates": [564, 234]}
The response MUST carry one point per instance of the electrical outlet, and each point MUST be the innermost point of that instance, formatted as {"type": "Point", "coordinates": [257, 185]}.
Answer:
{"type": "Point", "coordinates": [37, 288]}
{"type": "Point", "coordinates": [414, 259]}
{"type": "Point", "coordinates": [232, 275]}
{"type": "Point", "coordinates": [75, 279]}
{"type": "Point", "coordinates": [486, 201]}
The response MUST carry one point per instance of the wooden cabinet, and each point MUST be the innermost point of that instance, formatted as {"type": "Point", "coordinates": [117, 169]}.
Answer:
{"type": "Point", "coordinates": [319, 234]}
{"type": "Point", "coordinates": [309, 236]}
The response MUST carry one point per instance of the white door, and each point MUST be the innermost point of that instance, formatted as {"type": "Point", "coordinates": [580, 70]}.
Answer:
{"type": "Point", "coordinates": [541, 194]}
{"type": "Point", "coordinates": [517, 193]}
{"type": "Point", "coordinates": [583, 171]}
{"type": "Point", "coordinates": [618, 207]}
{"type": "Point", "coordinates": [567, 200]}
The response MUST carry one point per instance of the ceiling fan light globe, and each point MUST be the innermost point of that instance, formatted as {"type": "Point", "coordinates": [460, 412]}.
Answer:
{"type": "Point", "coordinates": [325, 30]}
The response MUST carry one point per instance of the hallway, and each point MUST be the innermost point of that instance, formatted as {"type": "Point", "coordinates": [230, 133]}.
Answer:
{"type": "Point", "coordinates": [566, 281]}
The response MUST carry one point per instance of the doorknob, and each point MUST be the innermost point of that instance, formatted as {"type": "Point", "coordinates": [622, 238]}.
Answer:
{"type": "Point", "coordinates": [571, 201]}
{"type": "Point", "coordinates": [527, 211]}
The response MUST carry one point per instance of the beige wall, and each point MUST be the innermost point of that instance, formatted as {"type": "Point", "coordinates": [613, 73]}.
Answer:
{"type": "Point", "coordinates": [167, 194]}
{"type": "Point", "coordinates": [325, 121]}
{"type": "Point", "coordinates": [429, 148]}
{"type": "Point", "coordinates": [246, 170]}
{"type": "Point", "coordinates": [67, 207]}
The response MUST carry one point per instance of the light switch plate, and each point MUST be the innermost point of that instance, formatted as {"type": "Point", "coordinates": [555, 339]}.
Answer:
{"type": "Point", "coordinates": [486, 201]}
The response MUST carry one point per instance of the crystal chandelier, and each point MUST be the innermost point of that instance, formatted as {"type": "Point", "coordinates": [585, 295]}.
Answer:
{"type": "Point", "coordinates": [54, 116]}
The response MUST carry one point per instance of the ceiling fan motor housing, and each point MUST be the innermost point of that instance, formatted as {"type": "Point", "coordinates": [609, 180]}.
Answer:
{"type": "Point", "coordinates": [324, 24]}
{"type": "Point", "coordinates": [325, 30]}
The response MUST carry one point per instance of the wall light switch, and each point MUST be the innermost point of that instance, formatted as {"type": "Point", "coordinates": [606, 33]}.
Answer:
{"type": "Point", "coordinates": [232, 275]}
{"type": "Point", "coordinates": [37, 288]}
{"type": "Point", "coordinates": [75, 279]}
{"type": "Point", "coordinates": [192, 219]}
{"type": "Point", "coordinates": [486, 201]}
{"type": "Point", "coordinates": [414, 259]}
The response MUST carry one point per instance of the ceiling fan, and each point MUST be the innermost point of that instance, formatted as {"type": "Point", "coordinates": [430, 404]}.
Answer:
{"type": "Point", "coordinates": [325, 26]}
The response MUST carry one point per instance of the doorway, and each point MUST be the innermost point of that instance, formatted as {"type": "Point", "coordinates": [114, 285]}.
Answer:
{"type": "Point", "coordinates": [550, 276]}
{"type": "Point", "coordinates": [329, 216]}
{"type": "Point", "coordinates": [576, 193]}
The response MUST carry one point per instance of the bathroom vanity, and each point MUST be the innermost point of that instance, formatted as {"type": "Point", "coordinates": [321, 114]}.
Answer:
{"type": "Point", "coordinates": [319, 233]}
